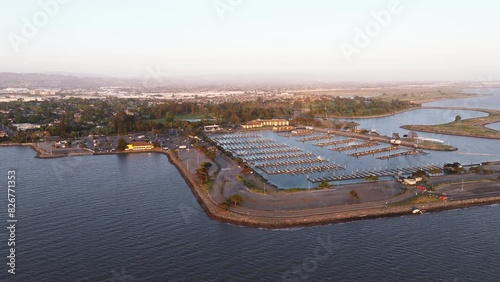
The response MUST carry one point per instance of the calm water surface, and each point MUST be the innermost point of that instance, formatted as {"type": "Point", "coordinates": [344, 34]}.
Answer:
{"type": "Point", "coordinates": [133, 218]}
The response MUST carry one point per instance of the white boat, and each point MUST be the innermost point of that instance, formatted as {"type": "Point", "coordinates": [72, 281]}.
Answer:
{"type": "Point", "coordinates": [430, 139]}
{"type": "Point", "coordinates": [416, 211]}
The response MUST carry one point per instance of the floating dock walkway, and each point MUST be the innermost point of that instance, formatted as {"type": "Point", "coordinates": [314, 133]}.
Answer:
{"type": "Point", "coordinates": [407, 153]}
{"type": "Point", "coordinates": [355, 146]}
{"type": "Point", "coordinates": [300, 170]}
{"type": "Point", "coordinates": [380, 173]}
{"type": "Point", "coordinates": [375, 151]}
{"type": "Point", "coordinates": [334, 143]}
{"type": "Point", "coordinates": [317, 138]}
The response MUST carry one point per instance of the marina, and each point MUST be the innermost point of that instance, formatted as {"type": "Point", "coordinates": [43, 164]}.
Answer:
{"type": "Point", "coordinates": [285, 161]}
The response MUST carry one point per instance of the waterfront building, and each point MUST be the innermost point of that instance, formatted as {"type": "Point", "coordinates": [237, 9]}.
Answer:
{"type": "Point", "coordinates": [25, 126]}
{"type": "Point", "coordinates": [265, 122]}
{"type": "Point", "coordinates": [283, 128]}
{"type": "Point", "coordinates": [137, 146]}
{"type": "Point", "coordinates": [212, 128]}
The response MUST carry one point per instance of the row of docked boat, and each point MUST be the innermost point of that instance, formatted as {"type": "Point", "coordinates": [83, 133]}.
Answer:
{"type": "Point", "coordinates": [267, 157]}
{"type": "Point", "coordinates": [299, 132]}
{"type": "Point", "coordinates": [301, 170]}
{"type": "Point", "coordinates": [292, 163]}
{"type": "Point", "coordinates": [235, 136]}
{"type": "Point", "coordinates": [337, 142]}
{"type": "Point", "coordinates": [245, 141]}
{"type": "Point", "coordinates": [355, 146]}
{"type": "Point", "coordinates": [317, 138]}
{"type": "Point", "coordinates": [406, 153]}
{"type": "Point", "coordinates": [379, 173]}
{"type": "Point", "coordinates": [260, 151]}
{"type": "Point", "coordinates": [249, 148]}
{"type": "Point", "coordinates": [375, 151]}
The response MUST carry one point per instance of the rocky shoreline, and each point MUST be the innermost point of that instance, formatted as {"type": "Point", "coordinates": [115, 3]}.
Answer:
{"type": "Point", "coordinates": [282, 221]}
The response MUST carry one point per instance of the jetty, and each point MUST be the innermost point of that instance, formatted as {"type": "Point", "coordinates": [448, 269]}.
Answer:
{"type": "Point", "coordinates": [355, 146]}
{"type": "Point", "coordinates": [406, 153]}
{"type": "Point", "coordinates": [317, 138]}
{"type": "Point", "coordinates": [334, 143]}
{"type": "Point", "coordinates": [375, 151]}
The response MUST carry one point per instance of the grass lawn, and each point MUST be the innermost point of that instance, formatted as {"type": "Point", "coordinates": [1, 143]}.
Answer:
{"type": "Point", "coordinates": [181, 117]}
{"type": "Point", "coordinates": [419, 199]}
{"type": "Point", "coordinates": [474, 127]}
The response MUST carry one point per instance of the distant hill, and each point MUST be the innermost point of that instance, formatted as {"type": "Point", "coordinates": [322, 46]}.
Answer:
{"type": "Point", "coordinates": [59, 81]}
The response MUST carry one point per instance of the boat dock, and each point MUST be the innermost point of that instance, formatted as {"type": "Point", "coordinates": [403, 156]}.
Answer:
{"type": "Point", "coordinates": [334, 143]}
{"type": "Point", "coordinates": [375, 151]}
{"type": "Point", "coordinates": [292, 163]}
{"type": "Point", "coordinates": [380, 173]}
{"type": "Point", "coordinates": [355, 146]}
{"type": "Point", "coordinates": [303, 170]}
{"type": "Point", "coordinates": [317, 138]}
{"type": "Point", "coordinates": [261, 151]}
{"type": "Point", "coordinates": [406, 153]}
{"type": "Point", "coordinates": [300, 132]}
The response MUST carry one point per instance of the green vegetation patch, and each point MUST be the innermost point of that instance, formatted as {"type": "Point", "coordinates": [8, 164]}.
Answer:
{"type": "Point", "coordinates": [418, 199]}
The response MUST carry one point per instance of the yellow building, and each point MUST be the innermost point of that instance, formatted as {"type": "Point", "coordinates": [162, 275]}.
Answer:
{"type": "Point", "coordinates": [137, 146]}
{"type": "Point", "coordinates": [265, 122]}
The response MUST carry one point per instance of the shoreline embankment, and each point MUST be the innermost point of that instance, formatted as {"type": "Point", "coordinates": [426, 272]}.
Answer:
{"type": "Point", "coordinates": [281, 221]}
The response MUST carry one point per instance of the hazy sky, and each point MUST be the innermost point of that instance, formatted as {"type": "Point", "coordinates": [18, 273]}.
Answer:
{"type": "Point", "coordinates": [422, 39]}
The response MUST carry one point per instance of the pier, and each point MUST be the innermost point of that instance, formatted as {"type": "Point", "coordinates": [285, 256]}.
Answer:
{"type": "Point", "coordinates": [379, 173]}
{"type": "Point", "coordinates": [301, 132]}
{"type": "Point", "coordinates": [291, 163]}
{"type": "Point", "coordinates": [300, 170]}
{"type": "Point", "coordinates": [407, 153]}
{"type": "Point", "coordinates": [317, 138]}
{"type": "Point", "coordinates": [375, 151]}
{"type": "Point", "coordinates": [334, 143]}
{"type": "Point", "coordinates": [355, 146]}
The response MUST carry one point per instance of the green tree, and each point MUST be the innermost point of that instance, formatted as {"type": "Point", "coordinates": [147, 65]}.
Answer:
{"type": "Point", "coordinates": [202, 174]}
{"type": "Point", "coordinates": [236, 199]}
{"type": "Point", "coordinates": [354, 195]}
{"type": "Point", "coordinates": [122, 144]}
{"type": "Point", "coordinates": [323, 185]}
{"type": "Point", "coordinates": [206, 165]}
{"type": "Point", "coordinates": [169, 117]}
